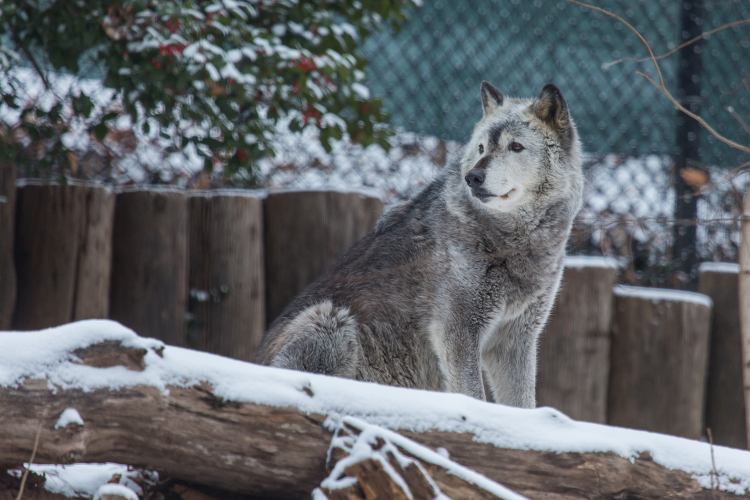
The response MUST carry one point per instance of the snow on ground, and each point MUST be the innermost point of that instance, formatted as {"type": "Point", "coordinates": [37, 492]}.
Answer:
{"type": "Point", "coordinates": [86, 480]}
{"type": "Point", "coordinates": [47, 354]}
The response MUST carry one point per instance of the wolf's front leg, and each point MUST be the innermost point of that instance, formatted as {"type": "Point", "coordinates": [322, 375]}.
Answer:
{"type": "Point", "coordinates": [461, 364]}
{"type": "Point", "coordinates": [510, 357]}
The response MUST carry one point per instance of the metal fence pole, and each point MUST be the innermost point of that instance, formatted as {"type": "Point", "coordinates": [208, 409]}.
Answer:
{"type": "Point", "coordinates": [688, 143]}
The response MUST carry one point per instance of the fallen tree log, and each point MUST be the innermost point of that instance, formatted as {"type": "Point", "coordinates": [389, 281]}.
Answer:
{"type": "Point", "coordinates": [264, 431]}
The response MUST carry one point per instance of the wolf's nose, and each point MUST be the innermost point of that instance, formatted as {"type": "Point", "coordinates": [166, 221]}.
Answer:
{"type": "Point", "coordinates": [474, 178]}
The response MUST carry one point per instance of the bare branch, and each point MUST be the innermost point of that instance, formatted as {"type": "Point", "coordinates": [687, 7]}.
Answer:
{"type": "Point", "coordinates": [660, 85]}
{"type": "Point", "coordinates": [39, 71]}
{"type": "Point", "coordinates": [743, 83]}
{"type": "Point", "coordinates": [728, 176]}
{"type": "Point", "coordinates": [666, 54]}
{"type": "Point", "coordinates": [623, 21]}
{"type": "Point", "coordinates": [692, 115]}
{"type": "Point", "coordinates": [737, 117]}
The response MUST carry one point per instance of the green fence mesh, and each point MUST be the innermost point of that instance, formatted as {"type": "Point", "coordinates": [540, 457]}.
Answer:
{"type": "Point", "coordinates": [429, 72]}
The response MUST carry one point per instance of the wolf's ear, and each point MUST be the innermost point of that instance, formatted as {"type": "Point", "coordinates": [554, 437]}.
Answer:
{"type": "Point", "coordinates": [491, 98]}
{"type": "Point", "coordinates": [551, 108]}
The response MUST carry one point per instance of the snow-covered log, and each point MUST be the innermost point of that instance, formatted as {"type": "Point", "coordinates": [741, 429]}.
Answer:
{"type": "Point", "coordinates": [573, 365]}
{"type": "Point", "coordinates": [305, 231]}
{"type": "Point", "coordinates": [63, 254]}
{"type": "Point", "coordinates": [7, 224]}
{"type": "Point", "coordinates": [226, 274]}
{"type": "Point", "coordinates": [246, 428]}
{"type": "Point", "coordinates": [725, 396]}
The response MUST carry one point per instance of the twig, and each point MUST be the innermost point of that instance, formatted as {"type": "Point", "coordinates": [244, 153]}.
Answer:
{"type": "Point", "coordinates": [737, 117]}
{"type": "Point", "coordinates": [660, 84]}
{"type": "Point", "coordinates": [666, 54]}
{"type": "Point", "coordinates": [31, 59]}
{"type": "Point", "coordinates": [623, 21]}
{"type": "Point", "coordinates": [692, 115]}
{"type": "Point", "coordinates": [726, 177]}
{"type": "Point", "coordinates": [743, 83]}
{"type": "Point", "coordinates": [31, 461]}
{"type": "Point", "coordinates": [714, 472]}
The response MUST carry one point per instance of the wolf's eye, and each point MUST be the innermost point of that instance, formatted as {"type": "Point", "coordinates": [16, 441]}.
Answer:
{"type": "Point", "coordinates": [516, 147]}
{"type": "Point", "coordinates": [481, 149]}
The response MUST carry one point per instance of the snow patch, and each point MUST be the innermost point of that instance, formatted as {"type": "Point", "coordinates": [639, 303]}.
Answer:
{"type": "Point", "coordinates": [661, 294]}
{"type": "Point", "coordinates": [84, 480]}
{"type": "Point", "coordinates": [583, 261]}
{"type": "Point", "coordinates": [116, 490]}
{"type": "Point", "coordinates": [69, 416]}
{"type": "Point", "coordinates": [719, 267]}
{"type": "Point", "coordinates": [361, 91]}
{"type": "Point", "coordinates": [259, 194]}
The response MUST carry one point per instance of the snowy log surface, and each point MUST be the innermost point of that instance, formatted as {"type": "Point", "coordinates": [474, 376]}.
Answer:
{"type": "Point", "coordinates": [253, 429]}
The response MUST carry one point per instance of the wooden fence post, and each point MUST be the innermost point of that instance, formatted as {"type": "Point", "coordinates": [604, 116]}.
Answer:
{"type": "Point", "coordinates": [7, 223]}
{"type": "Point", "coordinates": [305, 232]}
{"type": "Point", "coordinates": [573, 366]}
{"type": "Point", "coordinates": [226, 278]}
{"type": "Point", "coordinates": [659, 356]}
{"type": "Point", "coordinates": [148, 291]}
{"type": "Point", "coordinates": [62, 254]}
{"type": "Point", "coordinates": [725, 398]}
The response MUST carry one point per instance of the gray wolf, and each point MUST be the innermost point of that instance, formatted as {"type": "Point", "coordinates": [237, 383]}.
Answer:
{"type": "Point", "coordinates": [452, 288]}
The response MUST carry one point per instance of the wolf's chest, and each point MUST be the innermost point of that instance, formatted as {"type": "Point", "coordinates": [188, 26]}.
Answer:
{"type": "Point", "coordinates": [507, 286]}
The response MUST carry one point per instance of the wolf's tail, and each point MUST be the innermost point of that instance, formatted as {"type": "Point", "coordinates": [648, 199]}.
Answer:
{"type": "Point", "coordinates": [323, 340]}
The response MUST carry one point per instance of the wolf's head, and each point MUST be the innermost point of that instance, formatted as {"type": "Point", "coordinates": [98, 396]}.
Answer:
{"type": "Point", "coordinates": [523, 152]}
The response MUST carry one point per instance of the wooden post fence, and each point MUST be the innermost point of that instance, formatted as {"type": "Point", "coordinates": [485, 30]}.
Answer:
{"type": "Point", "coordinates": [62, 254]}
{"type": "Point", "coordinates": [149, 263]}
{"type": "Point", "coordinates": [659, 357]}
{"type": "Point", "coordinates": [725, 399]}
{"type": "Point", "coordinates": [305, 232]}
{"type": "Point", "coordinates": [7, 237]}
{"type": "Point", "coordinates": [573, 366]}
{"type": "Point", "coordinates": [226, 278]}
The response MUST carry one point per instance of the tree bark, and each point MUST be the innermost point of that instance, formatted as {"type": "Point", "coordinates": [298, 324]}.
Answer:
{"type": "Point", "coordinates": [190, 434]}
{"type": "Point", "coordinates": [304, 234]}
{"type": "Point", "coordinates": [62, 254]}
{"type": "Point", "coordinates": [148, 290]}
{"type": "Point", "coordinates": [725, 398]}
{"type": "Point", "coordinates": [7, 224]}
{"type": "Point", "coordinates": [574, 348]}
{"type": "Point", "coordinates": [744, 302]}
{"type": "Point", "coordinates": [660, 341]}
{"type": "Point", "coordinates": [227, 285]}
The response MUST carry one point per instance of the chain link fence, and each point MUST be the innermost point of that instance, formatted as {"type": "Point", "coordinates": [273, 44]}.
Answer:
{"type": "Point", "coordinates": [638, 159]}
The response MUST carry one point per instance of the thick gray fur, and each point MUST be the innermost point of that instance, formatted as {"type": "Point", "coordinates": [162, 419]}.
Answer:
{"type": "Point", "coordinates": [456, 284]}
